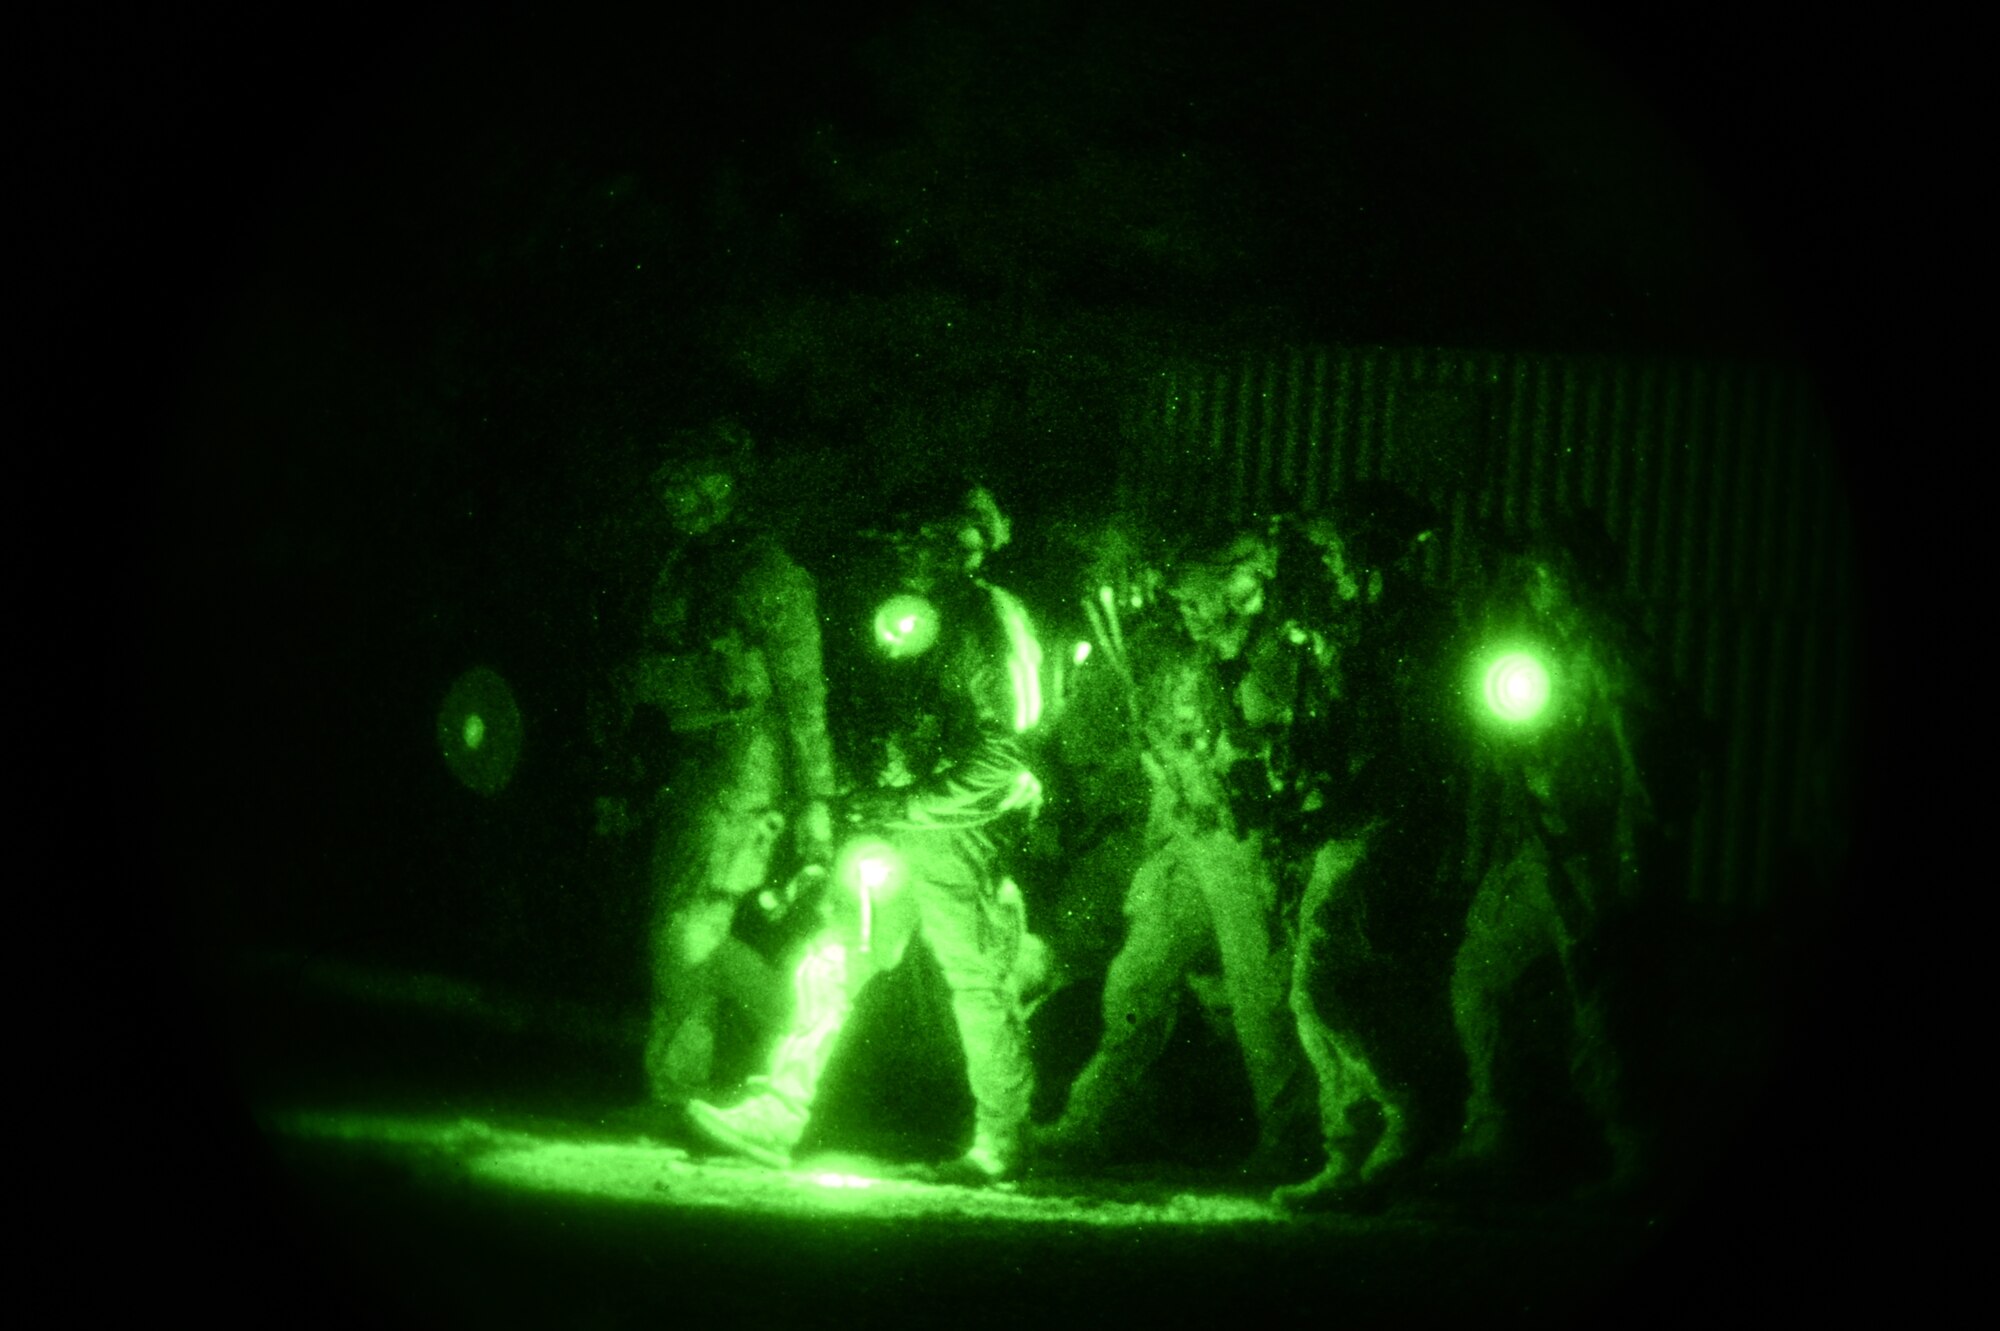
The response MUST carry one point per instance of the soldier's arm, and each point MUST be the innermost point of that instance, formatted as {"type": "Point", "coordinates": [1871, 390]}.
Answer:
{"type": "Point", "coordinates": [992, 780]}
{"type": "Point", "coordinates": [781, 612]}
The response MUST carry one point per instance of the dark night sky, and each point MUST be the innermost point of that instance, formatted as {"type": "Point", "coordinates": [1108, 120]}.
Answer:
{"type": "Point", "coordinates": [328, 299]}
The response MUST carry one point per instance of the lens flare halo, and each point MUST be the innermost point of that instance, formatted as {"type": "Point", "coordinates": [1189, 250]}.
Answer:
{"type": "Point", "coordinates": [871, 865]}
{"type": "Point", "coordinates": [479, 731]}
{"type": "Point", "coordinates": [1516, 687]}
{"type": "Point", "coordinates": [905, 626]}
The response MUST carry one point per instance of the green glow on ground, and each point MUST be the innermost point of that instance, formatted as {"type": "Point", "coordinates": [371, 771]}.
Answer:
{"type": "Point", "coordinates": [479, 731]}
{"type": "Point", "coordinates": [581, 1160]}
{"type": "Point", "coordinates": [1516, 687]}
{"type": "Point", "coordinates": [906, 626]}
{"type": "Point", "coordinates": [874, 873]}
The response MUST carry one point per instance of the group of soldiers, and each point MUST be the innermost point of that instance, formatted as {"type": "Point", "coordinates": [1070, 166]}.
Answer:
{"type": "Point", "coordinates": [1377, 806]}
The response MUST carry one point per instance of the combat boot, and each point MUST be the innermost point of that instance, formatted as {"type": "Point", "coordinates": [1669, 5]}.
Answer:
{"type": "Point", "coordinates": [1341, 1184]}
{"type": "Point", "coordinates": [1065, 1148]}
{"type": "Point", "coordinates": [1337, 1187]}
{"type": "Point", "coordinates": [996, 1156]}
{"type": "Point", "coordinates": [1282, 1154]}
{"type": "Point", "coordinates": [1410, 1137]}
{"type": "Point", "coordinates": [767, 1124]}
{"type": "Point", "coordinates": [1485, 1165]}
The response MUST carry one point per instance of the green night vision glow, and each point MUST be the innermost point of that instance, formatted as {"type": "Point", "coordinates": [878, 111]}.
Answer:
{"type": "Point", "coordinates": [1516, 687]}
{"type": "Point", "coordinates": [553, 1160]}
{"type": "Point", "coordinates": [905, 626]}
{"type": "Point", "coordinates": [869, 866]}
{"type": "Point", "coordinates": [1082, 652]}
{"type": "Point", "coordinates": [479, 731]}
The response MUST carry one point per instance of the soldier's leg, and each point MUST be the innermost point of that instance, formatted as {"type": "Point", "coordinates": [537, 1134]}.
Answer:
{"type": "Point", "coordinates": [834, 967]}
{"type": "Point", "coordinates": [1596, 1067]}
{"type": "Point", "coordinates": [976, 939]}
{"type": "Point", "coordinates": [1165, 930]}
{"type": "Point", "coordinates": [1505, 931]}
{"type": "Point", "coordinates": [767, 1123]}
{"type": "Point", "coordinates": [706, 861]}
{"type": "Point", "coordinates": [688, 924]}
{"type": "Point", "coordinates": [1348, 1093]}
{"type": "Point", "coordinates": [1241, 900]}
{"type": "Point", "coordinates": [1413, 905]}
{"type": "Point", "coordinates": [750, 983]}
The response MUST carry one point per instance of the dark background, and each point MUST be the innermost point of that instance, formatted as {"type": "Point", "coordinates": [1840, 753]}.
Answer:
{"type": "Point", "coordinates": [296, 572]}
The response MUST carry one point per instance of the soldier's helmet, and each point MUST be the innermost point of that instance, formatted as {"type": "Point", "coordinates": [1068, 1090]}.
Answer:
{"type": "Point", "coordinates": [698, 478]}
{"type": "Point", "coordinates": [1119, 564]}
{"type": "Point", "coordinates": [1569, 567]}
{"type": "Point", "coordinates": [944, 525]}
{"type": "Point", "coordinates": [1220, 585]}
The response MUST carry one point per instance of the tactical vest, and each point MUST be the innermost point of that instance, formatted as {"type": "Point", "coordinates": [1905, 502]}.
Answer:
{"type": "Point", "coordinates": [899, 722]}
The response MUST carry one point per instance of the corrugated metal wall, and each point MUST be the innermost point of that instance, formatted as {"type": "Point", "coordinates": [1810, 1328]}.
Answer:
{"type": "Point", "coordinates": [1716, 479]}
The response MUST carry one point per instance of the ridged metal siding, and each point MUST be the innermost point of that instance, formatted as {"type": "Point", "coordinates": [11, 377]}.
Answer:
{"type": "Point", "coordinates": [1715, 479]}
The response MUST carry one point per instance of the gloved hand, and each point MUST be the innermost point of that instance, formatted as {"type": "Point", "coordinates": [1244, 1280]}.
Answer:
{"type": "Point", "coordinates": [872, 808]}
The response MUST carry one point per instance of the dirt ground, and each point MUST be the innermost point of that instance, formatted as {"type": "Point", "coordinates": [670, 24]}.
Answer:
{"type": "Point", "coordinates": [503, 1219]}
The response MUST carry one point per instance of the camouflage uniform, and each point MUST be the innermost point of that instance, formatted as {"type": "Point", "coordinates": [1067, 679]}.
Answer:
{"type": "Point", "coordinates": [1203, 886]}
{"type": "Point", "coordinates": [734, 664]}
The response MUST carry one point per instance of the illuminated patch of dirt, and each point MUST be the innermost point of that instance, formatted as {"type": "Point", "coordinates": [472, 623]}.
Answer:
{"type": "Point", "coordinates": [564, 1158]}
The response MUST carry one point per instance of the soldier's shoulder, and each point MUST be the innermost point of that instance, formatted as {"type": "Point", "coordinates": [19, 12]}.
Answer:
{"type": "Point", "coordinates": [762, 557]}
{"type": "Point", "coordinates": [756, 543]}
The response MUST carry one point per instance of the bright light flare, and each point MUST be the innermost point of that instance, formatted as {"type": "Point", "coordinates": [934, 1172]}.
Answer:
{"type": "Point", "coordinates": [874, 874]}
{"type": "Point", "coordinates": [905, 626]}
{"type": "Point", "coordinates": [870, 866]}
{"type": "Point", "coordinates": [1516, 687]}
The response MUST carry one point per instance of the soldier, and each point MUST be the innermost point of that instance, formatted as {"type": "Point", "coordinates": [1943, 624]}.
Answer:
{"type": "Point", "coordinates": [1378, 838]}
{"type": "Point", "coordinates": [941, 708]}
{"type": "Point", "coordinates": [1571, 831]}
{"type": "Point", "coordinates": [1089, 838]}
{"type": "Point", "coordinates": [1203, 886]}
{"type": "Point", "coordinates": [732, 661]}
